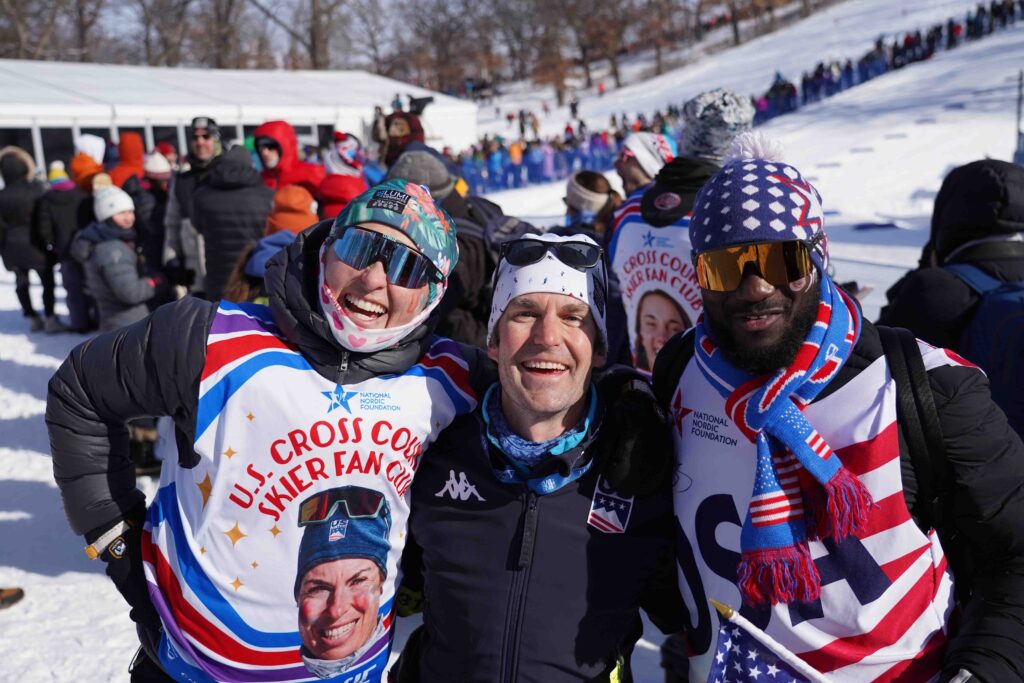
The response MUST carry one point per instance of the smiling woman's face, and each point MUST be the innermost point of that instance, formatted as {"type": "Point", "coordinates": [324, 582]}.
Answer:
{"type": "Point", "coordinates": [338, 606]}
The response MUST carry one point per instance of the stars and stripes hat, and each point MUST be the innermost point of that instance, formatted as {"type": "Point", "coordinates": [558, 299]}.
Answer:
{"type": "Point", "coordinates": [756, 197]}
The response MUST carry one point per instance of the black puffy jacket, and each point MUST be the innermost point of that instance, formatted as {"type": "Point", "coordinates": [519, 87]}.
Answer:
{"type": "Point", "coordinates": [60, 213]}
{"type": "Point", "coordinates": [229, 209]}
{"type": "Point", "coordinates": [978, 216]}
{"type": "Point", "coordinates": [17, 204]}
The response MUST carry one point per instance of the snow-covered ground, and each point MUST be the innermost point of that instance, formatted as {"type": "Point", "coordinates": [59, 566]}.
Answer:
{"type": "Point", "coordinates": [877, 153]}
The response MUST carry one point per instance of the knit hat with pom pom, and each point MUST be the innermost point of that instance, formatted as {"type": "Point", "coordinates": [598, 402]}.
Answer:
{"type": "Point", "coordinates": [756, 197]}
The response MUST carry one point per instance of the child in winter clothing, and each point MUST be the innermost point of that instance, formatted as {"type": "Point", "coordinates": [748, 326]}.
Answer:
{"type": "Point", "coordinates": [106, 248]}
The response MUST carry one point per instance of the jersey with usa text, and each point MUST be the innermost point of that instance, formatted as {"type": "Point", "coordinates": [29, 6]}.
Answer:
{"type": "Point", "coordinates": [886, 592]}
{"type": "Point", "coordinates": [275, 558]}
{"type": "Point", "coordinates": [657, 281]}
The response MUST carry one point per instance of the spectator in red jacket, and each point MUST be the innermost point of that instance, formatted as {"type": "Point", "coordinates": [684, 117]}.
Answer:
{"type": "Point", "coordinates": [131, 151]}
{"type": "Point", "coordinates": [278, 150]}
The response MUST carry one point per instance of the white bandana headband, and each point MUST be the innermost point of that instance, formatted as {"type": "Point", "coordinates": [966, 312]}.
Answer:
{"type": "Point", "coordinates": [549, 276]}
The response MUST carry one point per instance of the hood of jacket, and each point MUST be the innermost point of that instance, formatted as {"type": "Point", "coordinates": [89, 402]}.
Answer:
{"type": "Point", "coordinates": [131, 151]}
{"type": "Point", "coordinates": [674, 190]}
{"type": "Point", "coordinates": [284, 135]}
{"type": "Point", "coordinates": [291, 281]}
{"type": "Point", "coordinates": [83, 169]}
{"type": "Point", "coordinates": [233, 170]}
{"type": "Point", "coordinates": [979, 200]}
{"type": "Point", "coordinates": [16, 166]}
{"type": "Point", "coordinates": [84, 243]}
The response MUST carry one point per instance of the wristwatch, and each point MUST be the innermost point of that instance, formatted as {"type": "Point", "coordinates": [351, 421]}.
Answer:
{"type": "Point", "coordinates": [96, 548]}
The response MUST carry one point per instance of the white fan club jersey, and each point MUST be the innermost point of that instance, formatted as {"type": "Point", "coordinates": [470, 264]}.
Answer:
{"type": "Point", "coordinates": [221, 542]}
{"type": "Point", "coordinates": [886, 593]}
{"type": "Point", "coordinates": [657, 280]}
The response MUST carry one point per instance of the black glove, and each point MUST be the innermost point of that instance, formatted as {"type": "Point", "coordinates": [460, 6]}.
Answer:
{"type": "Point", "coordinates": [674, 659]}
{"type": "Point", "coordinates": [637, 455]}
{"type": "Point", "coordinates": [123, 558]}
{"type": "Point", "coordinates": [179, 275]}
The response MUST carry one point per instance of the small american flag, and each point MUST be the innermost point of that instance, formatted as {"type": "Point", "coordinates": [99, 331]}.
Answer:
{"type": "Point", "coordinates": [745, 654]}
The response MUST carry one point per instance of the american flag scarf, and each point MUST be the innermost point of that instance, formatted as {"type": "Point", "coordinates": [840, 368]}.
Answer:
{"type": "Point", "coordinates": [801, 489]}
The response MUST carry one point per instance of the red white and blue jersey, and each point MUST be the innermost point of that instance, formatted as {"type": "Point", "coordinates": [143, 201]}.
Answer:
{"type": "Point", "coordinates": [221, 539]}
{"type": "Point", "coordinates": [886, 592]}
{"type": "Point", "coordinates": [649, 261]}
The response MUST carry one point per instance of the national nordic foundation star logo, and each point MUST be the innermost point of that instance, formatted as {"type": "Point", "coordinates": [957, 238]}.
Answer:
{"type": "Point", "coordinates": [649, 239]}
{"type": "Point", "coordinates": [339, 398]}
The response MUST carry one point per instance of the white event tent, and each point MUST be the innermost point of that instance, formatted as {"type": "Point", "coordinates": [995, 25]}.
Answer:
{"type": "Point", "coordinates": [43, 104]}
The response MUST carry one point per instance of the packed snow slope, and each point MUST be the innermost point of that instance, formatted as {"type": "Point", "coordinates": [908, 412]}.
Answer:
{"type": "Point", "coordinates": [844, 31]}
{"type": "Point", "coordinates": [877, 153]}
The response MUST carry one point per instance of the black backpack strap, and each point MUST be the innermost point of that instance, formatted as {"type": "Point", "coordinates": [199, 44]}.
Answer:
{"type": "Point", "coordinates": [669, 365]}
{"type": "Point", "coordinates": [918, 419]}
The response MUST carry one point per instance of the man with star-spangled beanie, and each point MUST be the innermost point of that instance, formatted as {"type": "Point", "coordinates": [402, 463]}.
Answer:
{"type": "Point", "coordinates": [785, 432]}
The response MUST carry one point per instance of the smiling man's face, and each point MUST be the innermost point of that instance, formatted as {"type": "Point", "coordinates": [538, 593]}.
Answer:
{"type": "Point", "coordinates": [760, 327]}
{"type": "Point", "coordinates": [544, 345]}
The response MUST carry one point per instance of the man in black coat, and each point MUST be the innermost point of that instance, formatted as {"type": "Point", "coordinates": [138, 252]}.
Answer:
{"type": "Point", "coordinates": [229, 209]}
{"type": "Point", "coordinates": [979, 219]}
{"type": "Point", "coordinates": [533, 558]}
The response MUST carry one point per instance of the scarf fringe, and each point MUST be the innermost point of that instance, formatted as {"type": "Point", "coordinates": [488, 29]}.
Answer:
{"type": "Point", "coordinates": [774, 575]}
{"type": "Point", "coordinates": [838, 509]}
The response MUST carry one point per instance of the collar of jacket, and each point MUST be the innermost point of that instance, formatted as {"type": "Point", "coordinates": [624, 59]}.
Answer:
{"type": "Point", "coordinates": [555, 471]}
{"type": "Point", "coordinates": [291, 284]}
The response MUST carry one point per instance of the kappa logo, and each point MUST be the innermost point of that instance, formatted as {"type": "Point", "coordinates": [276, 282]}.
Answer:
{"type": "Point", "coordinates": [338, 529]}
{"type": "Point", "coordinates": [459, 489]}
{"type": "Point", "coordinates": [609, 510]}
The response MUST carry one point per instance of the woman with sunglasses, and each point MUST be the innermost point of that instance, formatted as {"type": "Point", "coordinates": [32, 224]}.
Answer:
{"type": "Point", "coordinates": [339, 382]}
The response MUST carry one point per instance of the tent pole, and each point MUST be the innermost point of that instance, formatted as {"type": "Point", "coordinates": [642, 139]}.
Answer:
{"type": "Point", "coordinates": [37, 146]}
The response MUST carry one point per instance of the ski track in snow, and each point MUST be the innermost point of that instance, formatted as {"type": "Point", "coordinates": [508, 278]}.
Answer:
{"type": "Point", "coordinates": [918, 123]}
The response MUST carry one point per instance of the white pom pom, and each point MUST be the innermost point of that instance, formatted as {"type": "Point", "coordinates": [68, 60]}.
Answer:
{"type": "Point", "coordinates": [753, 145]}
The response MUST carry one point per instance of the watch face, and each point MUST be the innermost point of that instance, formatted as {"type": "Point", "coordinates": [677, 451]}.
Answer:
{"type": "Point", "coordinates": [118, 548]}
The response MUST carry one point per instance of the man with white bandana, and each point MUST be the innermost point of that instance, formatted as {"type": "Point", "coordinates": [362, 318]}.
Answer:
{"type": "Point", "coordinates": [533, 564]}
{"type": "Point", "coordinates": [300, 426]}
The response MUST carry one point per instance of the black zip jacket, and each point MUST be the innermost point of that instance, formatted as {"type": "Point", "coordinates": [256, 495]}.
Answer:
{"type": "Point", "coordinates": [519, 587]}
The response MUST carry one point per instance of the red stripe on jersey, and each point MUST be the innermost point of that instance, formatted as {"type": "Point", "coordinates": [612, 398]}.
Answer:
{"type": "Point", "coordinates": [885, 514]}
{"type": "Point", "coordinates": [226, 351]}
{"type": "Point", "coordinates": [865, 456]}
{"type": "Point", "coordinates": [922, 667]}
{"type": "Point", "coordinates": [196, 625]}
{"type": "Point", "coordinates": [845, 651]}
{"type": "Point", "coordinates": [895, 568]}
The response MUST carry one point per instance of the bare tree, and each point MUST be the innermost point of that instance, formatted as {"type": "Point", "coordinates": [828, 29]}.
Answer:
{"type": "Point", "coordinates": [163, 25]}
{"type": "Point", "coordinates": [310, 32]}
{"type": "Point", "coordinates": [29, 27]}
{"type": "Point", "coordinates": [372, 34]}
{"type": "Point", "coordinates": [84, 15]}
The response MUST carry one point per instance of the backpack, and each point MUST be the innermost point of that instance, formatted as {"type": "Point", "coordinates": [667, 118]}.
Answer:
{"type": "Point", "coordinates": [918, 423]}
{"type": "Point", "coordinates": [994, 338]}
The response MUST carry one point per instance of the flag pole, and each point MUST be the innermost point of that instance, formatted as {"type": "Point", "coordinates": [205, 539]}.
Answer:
{"type": "Point", "coordinates": [780, 651]}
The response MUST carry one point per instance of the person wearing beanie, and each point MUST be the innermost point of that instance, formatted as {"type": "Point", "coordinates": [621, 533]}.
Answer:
{"type": "Point", "coordinates": [481, 227]}
{"type": "Point", "coordinates": [230, 211]}
{"type": "Point", "coordinates": [345, 179]}
{"type": "Point", "coordinates": [18, 251]}
{"type": "Point", "coordinates": [783, 376]}
{"type": "Point", "coordinates": [642, 156]}
{"type": "Point", "coordinates": [278, 149]}
{"type": "Point", "coordinates": [590, 203]}
{"type": "Point", "coordinates": [649, 245]}
{"type": "Point", "coordinates": [184, 246]}
{"type": "Point", "coordinates": [108, 254]}
{"type": "Point", "coordinates": [523, 483]}
{"type": "Point", "coordinates": [60, 213]}
{"type": "Point", "coordinates": [88, 160]}
{"type": "Point", "coordinates": [339, 382]}
{"type": "Point", "coordinates": [168, 151]}
{"type": "Point", "coordinates": [403, 128]}
{"type": "Point", "coordinates": [294, 210]}
{"type": "Point", "coordinates": [342, 568]}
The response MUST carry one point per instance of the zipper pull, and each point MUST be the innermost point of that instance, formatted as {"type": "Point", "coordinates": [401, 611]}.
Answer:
{"type": "Point", "coordinates": [529, 530]}
{"type": "Point", "coordinates": [343, 366]}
